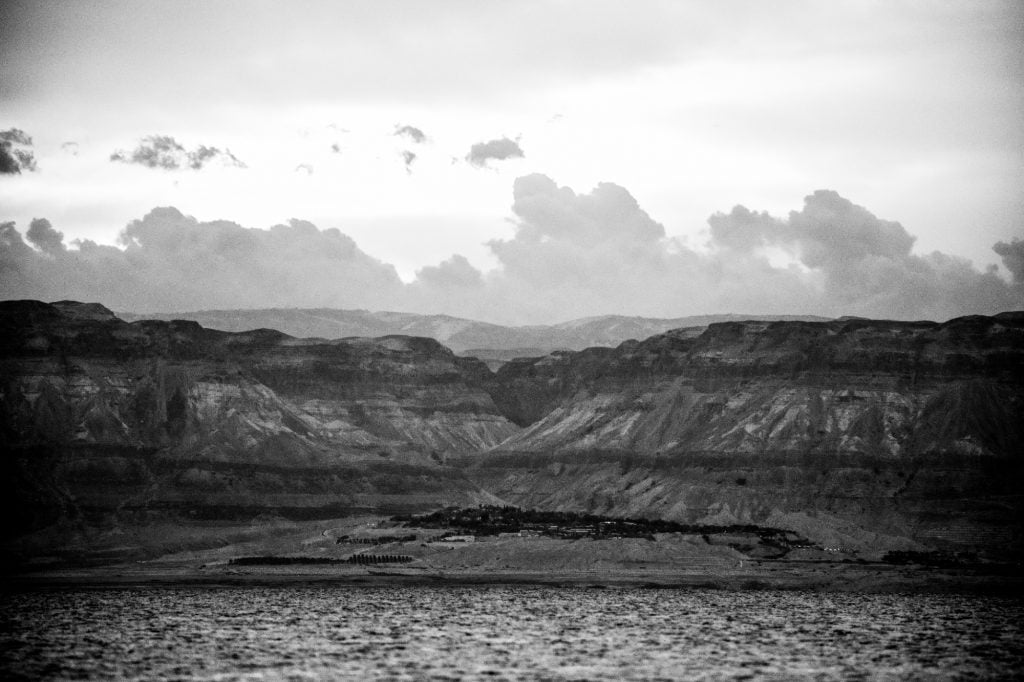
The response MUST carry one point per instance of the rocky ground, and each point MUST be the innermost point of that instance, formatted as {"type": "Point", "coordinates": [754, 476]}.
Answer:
{"type": "Point", "coordinates": [205, 556]}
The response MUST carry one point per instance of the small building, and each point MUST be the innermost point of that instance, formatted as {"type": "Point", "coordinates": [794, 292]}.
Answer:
{"type": "Point", "coordinates": [577, 532]}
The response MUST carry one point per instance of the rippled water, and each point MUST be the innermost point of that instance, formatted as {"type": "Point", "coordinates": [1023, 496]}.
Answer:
{"type": "Point", "coordinates": [503, 632]}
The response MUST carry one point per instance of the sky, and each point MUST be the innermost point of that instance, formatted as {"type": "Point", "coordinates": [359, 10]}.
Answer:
{"type": "Point", "coordinates": [516, 162]}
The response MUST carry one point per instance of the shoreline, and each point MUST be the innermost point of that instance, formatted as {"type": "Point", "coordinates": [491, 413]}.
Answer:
{"type": "Point", "coordinates": [832, 578]}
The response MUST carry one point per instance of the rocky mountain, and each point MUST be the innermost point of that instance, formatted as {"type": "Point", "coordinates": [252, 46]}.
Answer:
{"type": "Point", "coordinates": [466, 337]}
{"type": "Point", "coordinates": [99, 416]}
{"type": "Point", "coordinates": [864, 434]}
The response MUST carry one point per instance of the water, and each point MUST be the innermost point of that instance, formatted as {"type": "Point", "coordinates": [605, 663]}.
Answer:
{"type": "Point", "coordinates": [503, 633]}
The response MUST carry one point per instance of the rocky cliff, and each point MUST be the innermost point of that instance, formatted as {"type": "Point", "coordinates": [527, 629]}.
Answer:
{"type": "Point", "coordinates": [104, 417]}
{"type": "Point", "coordinates": [865, 434]}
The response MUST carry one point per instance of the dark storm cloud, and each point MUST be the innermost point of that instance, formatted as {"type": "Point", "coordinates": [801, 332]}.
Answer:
{"type": "Point", "coordinates": [411, 132]}
{"type": "Point", "coordinates": [14, 157]}
{"type": "Point", "coordinates": [572, 255]}
{"type": "Point", "coordinates": [165, 152]}
{"type": "Point", "coordinates": [494, 150]}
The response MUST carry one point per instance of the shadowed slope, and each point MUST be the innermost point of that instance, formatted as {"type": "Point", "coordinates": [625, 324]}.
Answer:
{"type": "Point", "coordinates": [872, 435]}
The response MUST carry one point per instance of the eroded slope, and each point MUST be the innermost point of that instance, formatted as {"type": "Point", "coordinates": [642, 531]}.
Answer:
{"type": "Point", "coordinates": [103, 417]}
{"type": "Point", "coordinates": [864, 434]}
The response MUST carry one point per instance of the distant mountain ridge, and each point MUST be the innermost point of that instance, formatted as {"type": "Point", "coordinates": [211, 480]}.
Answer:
{"type": "Point", "coordinates": [459, 334]}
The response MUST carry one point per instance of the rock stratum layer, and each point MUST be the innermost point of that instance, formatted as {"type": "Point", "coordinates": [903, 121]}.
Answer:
{"type": "Point", "coordinates": [868, 436]}
{"type": "Point", "coordinates": [865, 437]}
{"type": "Point", "coordinates": [101, 417]}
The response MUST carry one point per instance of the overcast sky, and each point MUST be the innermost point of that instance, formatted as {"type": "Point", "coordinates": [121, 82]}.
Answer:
{"type": "Point", "coordinates": [516, 161]}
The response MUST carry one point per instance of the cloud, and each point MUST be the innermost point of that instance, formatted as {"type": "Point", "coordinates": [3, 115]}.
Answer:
{"type": "Point", "coordinates": [572, 255]}
{"type": "Point", "coordinates": [14, 158]}
{"type": "Point", "coordinates": [411, 132]}
{"type": "Point", "coordinates": [16, 136]}
{"type": "Point", "coordinates": [575, 255]}
{"type": "Point", "coordinates": [42, 235]}
{"type": "Point", "coordinates": [171, 262]}
{"type": "Point", "coordinates": [70, 148]}
{"type": "Point", "coordinates": [202, 154]}
{"type": "Point", "coordinates": [408, 157]}
{"type": "Point", "coordinates": [864, 265]}
{"type": "Point", "coordinates": [497, 150]}
{"type": "Point", "coordinates": [164, 152]}
{"type": "Point", "coordinates": [304, 168]}
{"type": "Point", "coordinates": [454, 273]}
{"type": "Point", "coordinates": [1013, 258]}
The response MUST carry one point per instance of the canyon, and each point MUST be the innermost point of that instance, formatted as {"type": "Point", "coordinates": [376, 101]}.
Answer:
{"type": "Point", "coordinates": [865, 437]}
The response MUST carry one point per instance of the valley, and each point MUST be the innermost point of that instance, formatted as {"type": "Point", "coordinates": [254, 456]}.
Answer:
{"type": "Point", "coordinates": [867, 440]}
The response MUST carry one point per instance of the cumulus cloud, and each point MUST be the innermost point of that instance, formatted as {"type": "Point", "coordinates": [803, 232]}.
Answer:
{"type": "Point", "coordinates": [171, 262]}
{"type": "Point", "coordinates": [494, 150]}
{"type": "Point", "coordinates": [14, 153]}
{"type": "Point", "coordinates": [572, 255]}
{"type": "Point", "coordinates": [165, 152]}
{"type": "Point", "coordinates": [456, 272]}
{"type": "Point", "coordinates": [70, 148]}
{"type": "Point", "coordinates": [42, 235]}
{"type": "Point", "coordinates": [1013, 258]}
{"type": "Point", "coordinates": [411, 132]}
{"type": "Point", "coordinates": [575, 255]}
{"type": "Point", "coordinates": [304, 168]}
{"type": "Point", "coordinates": [863, 264]}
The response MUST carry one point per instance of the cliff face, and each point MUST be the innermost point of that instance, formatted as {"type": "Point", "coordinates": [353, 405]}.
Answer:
{"type": "Point", "coordinates": [101, 416]}
{"type": "Point", "coordinates": [908, 430]}
{"type": "Point", "coordinates": [864, 436]}
{"type": "Point", "coordinates": [878, 388]}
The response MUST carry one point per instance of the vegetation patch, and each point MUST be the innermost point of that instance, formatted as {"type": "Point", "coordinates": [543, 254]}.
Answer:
{"type": "Point", "coordinates": [486, 520]}
{"type": "Point", "coordinates": [311, 560]}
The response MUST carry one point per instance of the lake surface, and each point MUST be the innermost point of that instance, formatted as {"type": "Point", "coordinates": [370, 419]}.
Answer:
{"type": "Point", "coordinates": [503, 633]}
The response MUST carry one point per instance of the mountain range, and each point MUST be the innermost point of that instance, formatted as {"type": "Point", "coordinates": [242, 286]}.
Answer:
{"type": "Point", "coordinates": [867, 435]}
{"type": "Point", "coordinates": [467, 337]}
